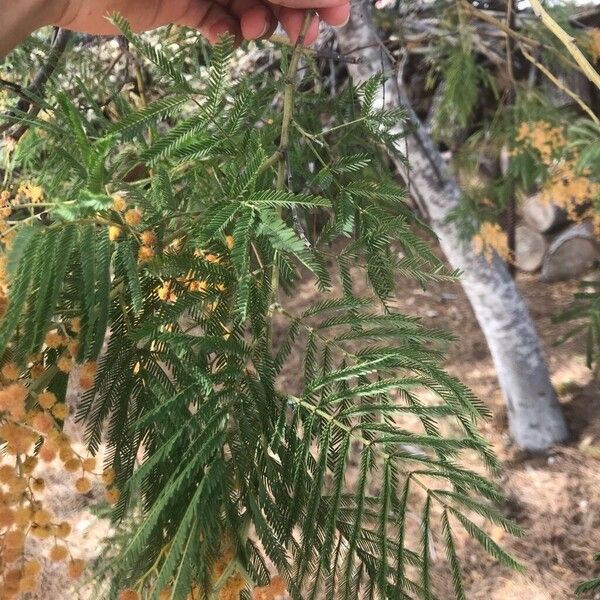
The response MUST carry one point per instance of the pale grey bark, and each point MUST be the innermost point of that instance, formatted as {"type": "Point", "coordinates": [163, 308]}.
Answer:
{"type": "Point", "coordinates": [535, 417]}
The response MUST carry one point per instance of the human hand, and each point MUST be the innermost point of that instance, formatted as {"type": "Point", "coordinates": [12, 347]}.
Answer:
{"type": "Point", "coordinates": [248, 19]}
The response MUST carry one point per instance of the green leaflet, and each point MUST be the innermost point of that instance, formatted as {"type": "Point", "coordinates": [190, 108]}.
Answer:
{"type": "Point", "coordinates": [231, 410]}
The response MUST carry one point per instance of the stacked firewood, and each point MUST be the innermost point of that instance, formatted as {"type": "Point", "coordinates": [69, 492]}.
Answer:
{"type": "Point", "coordinates": [546, 242]}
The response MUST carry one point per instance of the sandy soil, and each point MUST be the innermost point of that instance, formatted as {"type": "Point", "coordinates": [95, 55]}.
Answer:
{"type": "Point", "coordinates": [555, 498]}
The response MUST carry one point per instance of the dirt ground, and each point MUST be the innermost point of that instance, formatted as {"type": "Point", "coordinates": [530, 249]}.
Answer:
{"type": "Point", "coordinates": [555, 498]}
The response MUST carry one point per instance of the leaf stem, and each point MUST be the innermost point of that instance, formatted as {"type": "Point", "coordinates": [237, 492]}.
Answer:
{"type": "Point", "coordinates": [280, 156]}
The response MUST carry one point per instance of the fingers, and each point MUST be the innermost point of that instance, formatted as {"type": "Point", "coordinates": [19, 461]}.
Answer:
{"type": "Point", "coordinates": [255, 19]}
{"type": "Point", "coordinates": [336, 16]}
{"type": "Point", "coordinates": [211, 19]}
{"type": "Point", "coordinates": [291, 20]}
{"type": "Point", "coordinates": [257, 22]}
{"type": "Point", "coordinates": [306, 4]}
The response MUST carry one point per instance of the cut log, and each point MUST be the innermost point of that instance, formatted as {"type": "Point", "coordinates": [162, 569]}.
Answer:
{"type": "Point", "coordinates": [570, 254]}
{"type": "Point", "coordinates": [543, 216]}
{"type": "Point", "coordinates": [530, 248]}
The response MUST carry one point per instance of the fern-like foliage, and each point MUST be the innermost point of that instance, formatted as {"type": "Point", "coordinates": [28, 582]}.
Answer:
{"type": "Point", "coordinates": [345, 475]}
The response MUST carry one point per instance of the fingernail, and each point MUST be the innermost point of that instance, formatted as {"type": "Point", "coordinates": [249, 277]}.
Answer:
{"type": "Point", "coordinates": [218, 29]}
{"type": "Point", "coordinates": [347, 19]}
{"type": "Point", "coordinates": [265, 29]}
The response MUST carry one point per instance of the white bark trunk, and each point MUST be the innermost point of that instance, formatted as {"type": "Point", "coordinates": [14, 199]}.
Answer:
{"type": "Point", "coordinates": [535, 417]}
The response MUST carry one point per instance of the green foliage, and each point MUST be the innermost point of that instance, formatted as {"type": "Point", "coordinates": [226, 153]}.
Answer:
{"type": "Point", "coordinates": [193, 340]}
{"type": "Point", "coordinates": [591, 585]}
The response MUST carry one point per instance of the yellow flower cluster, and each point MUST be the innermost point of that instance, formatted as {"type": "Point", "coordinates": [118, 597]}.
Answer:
{"type": "Point", "coordinates": [22, 514]}
{"type": "Point", "coordinates": [570, 189]}
{"type": "Point", "coordinates": [275, 589]}
{"type": "Point", "coordinates": [491, 238]}
{"type": "Point", "coordinates": [543, 137]}
{"type": "Point", "coordinates": [565, 184]}
{"type": "Point", "coordinates": [132, 217]}
{"type": "Point", "coordinates": [28, 191]}
{"type": "Point", "coordinates": [167, 291]}
{"type": "Point", "coordinates": [31, 433]}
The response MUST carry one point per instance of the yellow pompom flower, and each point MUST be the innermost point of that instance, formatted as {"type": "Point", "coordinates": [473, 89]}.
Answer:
{"type": "Point", "coordinates": [133, 217]}
{"type": "Point", "coordinates": [60, 411]}
{"type": "Point", "coordinates": [46, 400]}
{"type": "Point", "coordinates": [119, 203]}
{"type": "Point", "coordinates": [114, 233]}
{"type": "Point", "coordinates": [108, 476]}
{"type": "Point", "coordinates": [83, 485]}
{"type": "Point", "coordinates": [76, 568]}
{"type": "Point", "coordinates": [58, 553]}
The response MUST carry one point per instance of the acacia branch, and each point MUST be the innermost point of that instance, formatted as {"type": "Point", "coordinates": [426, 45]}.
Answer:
{"type": "Point", "coordinates": [560, 85]}
{"type": "Point", "coordinates": [288, 100]}
{"type": "Point", "coordinates": [36, 89]}
{"type": "Point", "coordinates": [568, 41]}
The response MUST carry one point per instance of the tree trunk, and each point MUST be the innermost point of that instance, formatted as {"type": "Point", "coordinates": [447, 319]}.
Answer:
{"type": "Point", "coordinates": [535, 417]}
